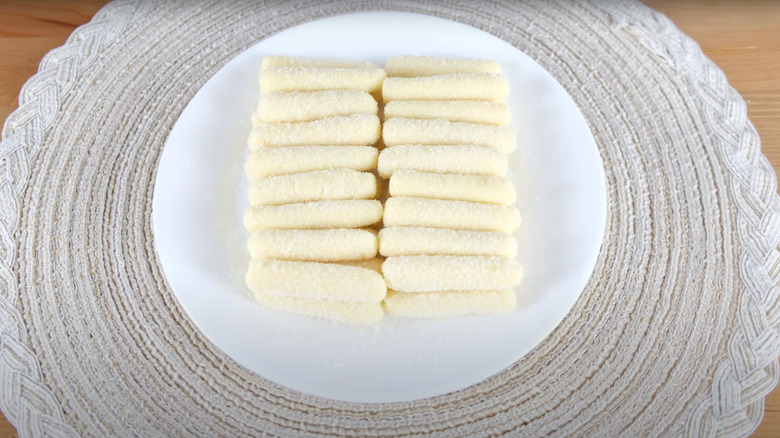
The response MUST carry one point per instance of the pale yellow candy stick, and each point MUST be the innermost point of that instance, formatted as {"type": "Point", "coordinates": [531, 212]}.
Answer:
{"type": "Point", "coordinates": [474, 188]}
{"type": "Point", "coordinates": [473, 111]}
{"type": "Point", "coordinates": [349, 213]}
{"type": "Point", "coordinates": [397, 241]}
{"type": "Point", "coordinates": [318, 79]}
{"type": "Point", "coordinates": [437, 213]}
{"type": "Point", "coordinates": [426, 273]}
{"type": "Point", "coordinates": [265, 162]}
{"type": "Point", "coordinates": [274, 61]}
{"type": "Point", "coordinates": [354, 130]}
{"type": "Point", "coordinates": [410, 66]}
{"type": "Point", "coordinates": [442, 132]}
{"type": "Point", "coordinates": [449, 303]}
{"type": "Point", "coordinates": [349, 312]}
{"type": "Point", "coordinates": [317, 185]}
{"type": "Point", "coordinates": [326, 245]}
{"type": "Point", "coordinates": [307, 106]}
{"type": "Point", "coordinates": [460, 86]}
{"type": "Point", "coordinates": [466, 159]}
{"type": "Point", "coordinates": [331, 281]}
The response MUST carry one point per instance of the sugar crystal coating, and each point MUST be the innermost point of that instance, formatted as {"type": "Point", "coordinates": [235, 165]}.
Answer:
{"type": "Point", "coordinates": [352, 130]}
{"type": "Point", "coordinates": [465, 159]}
{"type": "Point", "coordinates": [265, 162]}
{"type": "Point", "coordinates": [430, 273]}
{"type": "Point", "coordinates": [324, 245]}
{"type": "Point", "coordinates": [318, 79]}
{"type": "Point", "coordinates": [411, 66]}
{"type": "Point", "coordinates": [295, 106]}
{"type": "Point", "coordinates": [452, 186]}
{"type": "Point", "coordinates": [473, 111]}
{"type": "Point", "coordinates": [458, 86]}
{"type": "Point", "coordinates": [399, 131]}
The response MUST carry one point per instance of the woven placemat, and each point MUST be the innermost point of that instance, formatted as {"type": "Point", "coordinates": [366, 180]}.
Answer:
{"type": "Point", "coordinates": [676, 332]}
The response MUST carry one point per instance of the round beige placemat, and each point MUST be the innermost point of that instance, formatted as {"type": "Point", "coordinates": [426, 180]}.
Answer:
{"type": "Point", "coordinates": [676, 332]}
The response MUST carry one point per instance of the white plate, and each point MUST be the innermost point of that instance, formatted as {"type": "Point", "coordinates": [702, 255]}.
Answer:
{"type": "Point", "coordinates": [201, 192]}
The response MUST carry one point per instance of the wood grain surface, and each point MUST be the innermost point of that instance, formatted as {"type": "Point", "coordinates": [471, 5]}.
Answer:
{"type": "Point", "coordinates": [743, 38]}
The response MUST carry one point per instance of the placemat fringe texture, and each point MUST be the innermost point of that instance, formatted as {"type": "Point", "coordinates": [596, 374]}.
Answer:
{"type": "Point", "coordinates": [676, 333]}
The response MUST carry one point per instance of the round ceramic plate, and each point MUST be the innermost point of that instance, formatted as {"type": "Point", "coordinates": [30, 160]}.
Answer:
{"type": "Point", "coordinates": [201, 193]}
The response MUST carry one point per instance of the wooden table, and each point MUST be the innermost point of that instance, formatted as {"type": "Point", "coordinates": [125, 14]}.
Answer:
{"type": "Point", "coordinates": [743, 38]}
